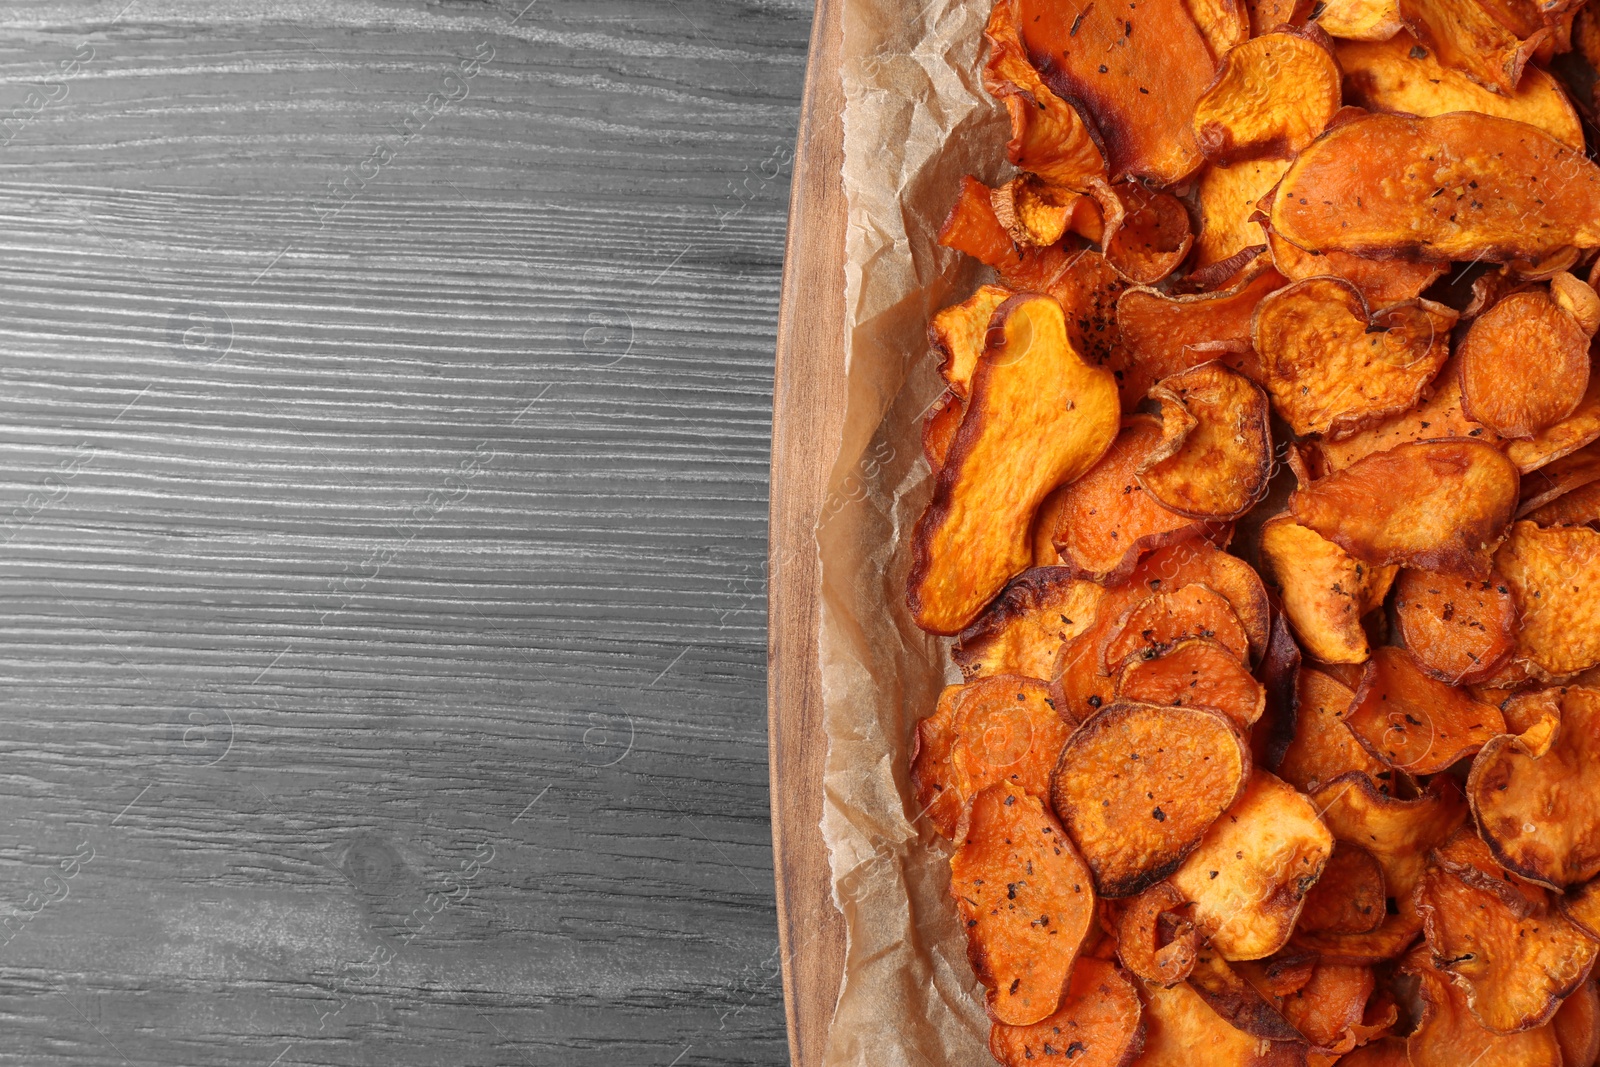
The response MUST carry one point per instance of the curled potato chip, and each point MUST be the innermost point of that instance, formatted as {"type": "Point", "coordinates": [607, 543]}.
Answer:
{"type": "Point", "coordinates": [957, 333]}
{"type": "Point", "coordinates": [1150, 236]}
{"type": "Point", "coordinates": [1025, 901]}
{"type": "Point", "coordinates": [1005, 730]}
{"type": "Point", "coordinates": [1540, 814]}
{"type": "Point", "coordinates": [1578, 299]}
{"type": "Point", "coordinates": [1195, 673]}
{"type": "Point", "coordinates": [1279, 671]}
{"type": "Point", "coordinates": [1223, 23]}
{"type": "Point", "coordinates": [1505, 391]}
{"type": "Point", "coordinates": [1048, 136]}
{"type": "Point", "coordinates": [1330, 1007]}
{"type": "Point", "coordinates": [1023, 630]}
{"type": "Point", "coordinates": [1437, 416]}
{"type": "Point", "coordinates": [1325, 590]}
{"type": "Point", "coordinates": [1449, 1036]}
{"type": "Point", "coordinates": [1323, 749]}
{"type": "Point", "coordinates": [1399, 75]}
{"type": "Point", "coordinates": [1226, 199]}
{"type": "Point", "coordinates": [1349, 897]}
{"type": "Point", "coordinates": [1504, 944]}
{"type": "Point", "coordinates": [1182, 1030]}
{"type": "Point", "coordinates": [1437, 505]}
{"type": "Point", "coordinates": [1333, 368]}
{"type": "Point", "coordinates": [1199, 561]}
{"type": "Point", "coordinates": [1232, 996]}
{"type": "Point", "coordinates": [1558, 478]}
{"type": "Point", "coordinates": [1151, 627]}
{"type": "Point", "coordinates": [1034, 212]}
{"type": "Point", "coordinates": [1475, 38]}
{"type": "Point", "coordinates": [1271, 97]}
{"type": "Point", "coordinates": [1578, 507]}
{"type": "Point", "coordinates": [1577, 1027]}
{"type": "Point", "coordinates": [1361, 20]}
{"type": "Point", "coordinates": [1413, 721]}
{"type": "Point", "coordinates": [1038, 416]}
{"type": "Point", "coordinates": [1554, 575]}
{"type": "Point", "coordinates": [1143, 950]}
{"type": "Point", "coordinates": [1249, 876]}
{"type": "Point", "coordinates": [1221, 466]}
{"type": "Point", "coordinates": [1137, 786]}
{"type": "Point", "coordinates": [1097, 1024]}
{"type": "Point", "coordinates": [1565, 437]}
{"type": "Point", "coordinates": [1457, 629]}
{"type": "Point", "coordinates": [1420, 186]}
{"type": "Point", "coordinates": [1381, 282]}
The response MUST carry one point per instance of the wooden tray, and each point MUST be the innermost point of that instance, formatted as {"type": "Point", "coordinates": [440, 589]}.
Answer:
{"type": "Point", "coordinates": [808, 400]}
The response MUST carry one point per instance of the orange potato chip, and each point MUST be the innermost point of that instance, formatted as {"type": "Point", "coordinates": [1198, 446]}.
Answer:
{"type": "Point", "coordinates": [1437, 416]}
{"type": "Point", "coordinates": [1269, 15]}
{"type": "Point", "coordinates": [1137, 787]}
{"type": "Point", "coordinates": [1097, 1024]}
{"type": "Point", "coordinates": [1437, 505]}
{"type": "Point", "coordinates": [1249, 876]}
{"type": "Point", "coordinates": [1504, 944]}
{"type": "Point", "coordinates": [1195, 673]}
{"type": "Point", "coordinates": [1150, 237]}
{"type": "Point", "coordinates": [972, 227]}
{"type": "Point", "coordinates": [1221, 466]}
{"type": "Point", "coordinates": [1540, 814]}
{"type": "Point", "coordinates": [1271, 97]}
{"type": "Point", "coordinates": [1577, 1027]}
{"type": "Point", "coordinates": [1581, 906]}
{"type": "Point", "coordinates": [1578, 507]}
{"type": "Point", "coordinates": [1143, 950]}
{"type": "Point", "coordinates": [1554, 575]}
{"type": "Point", "coordinates": [1182, 1030]}
{"type": "Point", "coordinates": [1413, 721]}
{"type": "Point", "coordinates": [1038, 416]}
{"type": "Point", "coordinates": [1325, 590]}
{"type": "Point", "coordinates": [940, 426]}
{"type": "Point", "coordinates": [1422, 186]}
{"type": "Point", "coordinates": [1023, 630]}
{"type": "Point", "coordinates": [1223, 23]}
{"type": "Point", "coordinates": [932, 776]}
{"type": "Point", "coordinates": [1485, 41]}
{"type": "Point", "coordinates": [1199, 561]}
{"type": "Point", "coordinates": [1449, 1036]}
{"type": "Point", "coordinates": [1333, 368]}
{"type": "Point", "coordinates": [1349, 897]}
{"type": "Point", "coordinates": [1399, 75]}
{"type": "Point", "coordinates": [1558, 478]}
{"type": "Point", "coordinates": [1081, 685]}
{"type": "Point", "coordinates": [1025, 901]}
{"type": "Point", "coordinates": [1459, 630]}
{"type": "Point", "coordinates": [1034, 212]}
{"type": "Point", "coordinates": [1238, 1000]}
{"type": "Point", "coordinates": [1087, 290]}
{"type": "Point", "coordinates": [1508, 393]}
{"type": "Point", "coordinates": [1578, 299]}
{"type": "Point", "coordinates": [1151, 627]}
{"type": "Point", "coordinates": [1361, 20]}
{"type": "Point", "coordinates": [1005, 730]}
{"type": "Point", "coordinates": [1323, 749]}
{"type": "Point", "coordinates": [1226, 199]}
{"type": "Point", "coordinates": [1565, 437]}
{"type": "Point", "coordinates": [1329, 1008]}
{"type": "Point", "coordinates": [1381, 282]}
{"type": "Point", "coordinates": [1534, 709]}
{"type": "Point", "coordinates": [957, 333]}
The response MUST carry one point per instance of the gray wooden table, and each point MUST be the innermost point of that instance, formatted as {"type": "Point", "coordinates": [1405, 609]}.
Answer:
{"type": "Point", "coordinates": [384, 412]}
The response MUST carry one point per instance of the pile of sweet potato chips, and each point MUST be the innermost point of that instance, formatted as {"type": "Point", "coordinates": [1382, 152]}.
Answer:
{"type": "Point", "coordinates": [1265, 516]}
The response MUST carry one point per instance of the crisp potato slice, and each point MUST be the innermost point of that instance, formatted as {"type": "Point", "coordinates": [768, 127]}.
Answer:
{"type": "Point", "coordinates": [1578, 299]}
{"type": "Point", "coordinates": [1501, 387]}
{"type": "Point", "coordinates": [1023, 630]}
{"type": "Point", "coordinates": [1325, 590]}
{"type": "Point", "coordinates": [1221, 466]}
{"type": "Point", "coordinates": [1577, 1027]}
{"type": "Point", "coordinates": [1025, 901]}
{"type": "Point", "coordinates": [1437, 505]}
{"type": "Point", "coordinates": [1271, 97]}
{"type": "Point", "coordinates": [1182, 1030]}
{"type": "Point", "coordinates": [1459, 630]}
{"type": "Point", "coordinates": [1565, 437]}
{"type": "Point", "coordinates": [1097, 1024]}
{"type": "Point", "coordinates": [956, 335]}
{"type": "Point", "coordinates": [1330, 1007]}
{"type": "Point", "coordinates": [1005, 730]}
{"type": "Point", "coordinates": [1087, 290]}
{"type": "Point", "coordinates": [1156, 66]}
{"type": "Point", "coordinates": [1349, 897]}
{"type": "Point", "coordinates": [1401, 76]}
{"type": "Point", "coordinates": [1226, 199]}
{"type": "Point", "coordinates": [1038, 416]}
{"type": "Point", "coordinates": [1333, 368]}
{"type": "Point", "coordinates": [973, 228]}
{"type": "Point", "coordinates": [1323, 749]}
{"type": "Point", "coordinates": [1414, 722]}
{"type": "Point", "coordinates": [1238, 1000]}
{"type": "Point", "coordinates": [1048, 136]}
{"type": "Point", "coordinates": [1558, 478]}
{"type": "Point", "coordinates": [1199, 561]}
{"type": "Point", "coordinates": [1195, 673]}
{"type": "Point", "coordinates": [1162, 620]}
{"type": "Point", "coordinates": [1540, 814]}
{"type": "Point", "coordinates": [1422, 186]}
{"type": "Point", "coordinates": [1578, 507]}
{"type": "Point", "coordinates": [1151, 235]}
{"type": "Point", "coordinates": [1223, 23]}
{"type": "Point", "coordinates": [1503, 943]}
{"type": "Point", "coordinates": [1436, 417]}
{"type": "Point", "coordinates": [1142, 948]}
{"type": "Point", "coordinates": [1382, 282]}
{"type": "Point", "coordinates": [932, 776]}
{"type": "Point", "coordinates": [1137, 787]}
{"type": "Point", "coordinates": [1449, 1035]}
{"type": "Point", "coordinates": [1081, 685]}
{"type": "Point", "coordinates": [1361, 20]}
{"type": "Point", "coordinates": [1474, 38]}
{"type": "Point", "coordinates": [1250, 874]}
{"type": "Point", "coordinates": [1035, 212]}
{"type": "Point", "coordinates": [1554, 575]}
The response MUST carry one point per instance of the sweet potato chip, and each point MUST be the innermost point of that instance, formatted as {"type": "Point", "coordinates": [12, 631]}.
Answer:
{"type": "Point", "coordinates": [1325, 590]}
{"type": "Point", "coordinates": [1421, 186]}
{"type": "Point", "coordinates": [932, 775]}
{"type": "Point", "coordinates": [1196, 673]}
{"type": "Point", "coordinates": [1333, 368]}
{"type": "Point", "coordinates": [1504, 944]}
{"type": "Point", "coordinates": [1023, 630]}
{"type": "Point", "coordinates": [1238, 1000]}
{"type": "Point", "coordinates": [1541, 814]}
{"type": "Point", "coordinates": [1457, 629]}
{"type": "Point", "coordinates": [1135, 72]}
{"type": "Point", "coordinates": [1151, 236]}
{"type": "Point", "coordinates": [1142, 948]}
{"type": "Point", "coordinates": [1558, 478]}
{"type": "Point", "coordinates": [1488, 42]}
{"type": "Point", "coordinates": [1034, 212]}
{"type": "Point", "coordinates": [1565, 437]}
{"type": "Point", "coordinates": [1399, 75]}
{"type": "Point", "coordinates": [1226, 199]}
{"type": "Point", "coordinates": [1038, 416]}
{"type": "Point", "coordinates": [1048, 136]}
{"type": "Point", "coordinates": [1156, 623]}
{"type": "Point", "coordinates": [1182, 1030]}
{"type": "Point", "coordinates": [1221, 466]}
{"type": "Point", "coordinates": [1578, 299]}
{"type": "Point", "coordinates": [1510, 394]}
{"type": "Point", "coordinates": [957, 333]}
{"type": "Point", "coordinates": [1581, 906]}
{"type": "Point", "coordinates": [1199, 561]}
{"type": "Point", "coordinates": [1579, 507]}
{"type": "Point", "coordinates": [1382, 282]}
{"type": "Point", "coordinates": [1081, 685]}
{"type": "Point", "coordinates": [1272, 96]}
{"type": "Point", "coordinates": [1025, 901]}
{"type": "Point", "coordinates": [1137, 787]}
{"type": "Point", "coordinates": [1554, 576]}
{"type": "Point", "coordinates": [1223, 23]}
{"type": "Point", "coordinates": [1329, 1008]}
{"type": "Point", "coordinates": [1323, 748]}
{"type": "Point", "coordinates": [1250, 874]}
{"type": "Point", "coordinates": [1577, 1027]}
{"type": "Point", "coordinates": [1534, 709]}
{"type": "Point", "coordinates": [1414, 722]}
{"type": "Point", "coordinates": [1437, 505]}
{"type": "Point", "coordinates": [939, 427]}
{"type": "Point", "coordinates": [1449, 1035]}
{"type": "Point", "coordinates": [1005, 730]}
{"type": "Point", "coordinates": [1097, 1024]}
{"type": "Point", "coordinates": [1436, 417]}
{"type": "Point", "coordinates": [1105, 520]}
{"type": "Point", "coordinates": [1349, 897]}
{"type": "Point", "coordinates": [1361, 20]}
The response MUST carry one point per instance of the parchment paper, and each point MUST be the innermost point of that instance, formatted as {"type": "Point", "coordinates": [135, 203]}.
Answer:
{"type": "Point", "coordinates": [916, 119]}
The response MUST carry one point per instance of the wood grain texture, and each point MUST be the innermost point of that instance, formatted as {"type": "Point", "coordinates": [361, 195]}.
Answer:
{"type": "Point", "coordinates": [383, 501]}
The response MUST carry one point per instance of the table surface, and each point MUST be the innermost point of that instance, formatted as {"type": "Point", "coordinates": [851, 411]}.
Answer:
{"type": "Point", "coordinates": [385, 403]}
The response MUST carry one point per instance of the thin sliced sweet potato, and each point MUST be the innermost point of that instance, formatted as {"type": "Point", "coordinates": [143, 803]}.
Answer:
{"type": "Point", "coordinates": [973, 228]}
{"type": "Point", "coordinates": [1087, 289]}
{"type": "Point", "coordinates": [1271, 97]}
{"type": "Point", "coordinates": [932, 775]}
{"type": "Point", "coordinates": [1459, 630]}
{"type": "Point", "coordinates": [1323, 749]}
{"type": "Point", "coordinates": [1005, 730]}
{"type": "Point", "coordinates": [1325, 590]}
{"type": "Point", "coordinates": [1478, 39]}
{"type": "Point", "coordinates": [1334, 368]}
{"type": "Point", "coordinates": [1038, 416]}
{"type": "Point", "coordinates": [1437, 416]}
{"type": "Point", "coordinates": [1150, 236]}
{"type": "Point", "coordinates": [1540, 814]}
{"type": "Point", "coordinates": [940, 426]}
{"type": "Point", "coordinates": [1578, 299]}
{"type": "Point", "coordinates": [1137, 787]}
{"type": "Point", "coordinates": [1182, 1030]}
{"type": "Point", "coordinates": [1034, 212]}
{"type": "Point", "coordinates": [1221, 466]}
{"type": "Point", "coordinates": [1436, 505]}
{"type": "Point", "coordinates": [957, 334]}
{"type": "Point", "coordinates": [1503, 943]}
{"type": "Point", "coordinates": [1200, 561]}
{"type": "Point", "coordinates": [1361, 20]}
{"type": "Point", "coordinates": [1382, 282]}
{"type": "Point", "coordinates": [1048, 136]}
{"type": "Point", "coordinates": [1226, 199]}
{"type": "Point", "coordinates": [1401, 76]}
{"type": "Point", "coordinates": [1195, 673]}
{"type": "Point", "coordinates": [1501, 387]}
{"type": "Point", "coordinates": [1223, 23]}
{"type": "Point", "coordinates": [1578, 507]}
{"type": "Point", "coordinates": [1414, 722]}
{"type": "Point", "coordinates": [1152, 957]}
{"type": "Point", "coordinates": [1081, 685]}
{"type": "Point", "coordinates": [1554, 575]}
{"type": "Point", "coordinates": [1097, 1025]}
{"type": "Point", "coordinates": [1577, 1027]}
{"type": "Point", "coordinates": [1251, 872]}
{"type": "Point", "coordinates": [1023, 630]}
{"type": "Point", "coordinates": [1329, 1009]}
{"type": "Point", "coordinates": [1449, 1035]}
{"type": "Point", "coordinates": [1349, 897]}
{"type": "Point", "coordinates": [1558, 478]}
{"type": "Point", "coordinates": [1238, 1000]}
{"type": "Point", "coordinates": [1530, 710]}
{"type": "Point", "coordinates": [1151, 627]}
{"type": "Point", "coordinates": [1565, 437]}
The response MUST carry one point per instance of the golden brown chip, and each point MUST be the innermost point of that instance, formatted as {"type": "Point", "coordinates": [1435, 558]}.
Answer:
{"type": "Point", "coordinates": [1349, 897]}
{"type": "Point", "coordinates": [1449, 1036]}
{"type": "Point", "coordinates": [1436, 505]}
{"type": "Point", "coordinates": [1577, 1027]}
{"type": "Point", "coordinates": [1554, 576]}
{"type": "Point", "coordinates": [1323, 748]}
{"type": "Point", "coordinates": [1156, 623]}
{"type": "Point", "coordinates": [1501, 387]}
{"type": "Point", "coordinates": [1220, 467]}
{"type": "Point", "coordinates": [1151, 235]}
{"type": "Point", "coordinates": [1488, 42]}
{"type": "Point", "coordinates": [1414, 722]}
{"type": "Point", "coordinates": [1382, 282]}
{"type": "Point", "coordinates": [1038, 416]}
{"type": "Point", "coordinates": [1005, 730]}
{"type": "Point", "coordinates": [1333, 368]}
{"type": "Point", "coordinates": [1361, 20]}
{"type": "Point", "coordinates": [1048, 136]}
{"type": "Point", "coordinates": [1330, 1007]}
{"type": "Point", "coordinates": [1436, 417]}
{"type": "Point", "coordinates": [1531, 710]}
{"type": "Point", "coordinates": [957, 335]}
{"type": "Point", "coordinates": [1245, 1006]}
{"type": "Point", "coordinates": [1578, 507]}
{"type": "Point", "coordinates": [1251, 872]}
{"type": "Point", "coordinates": [1325, 590]}
{"type": "Point", "coordinates": [1503, 943]}
{"type": "Point", "coordinates": [1565, 437]}
{"type": "Point", "coordinates": [1025, 901]}
{"type": "Point", "coordinates": [1558, 478]}
{"type": "Point", "coordinates": [1097, 1024]}
{"type": "Point", "coordinates": [1540, 814]}
{"type": "Point", "coordinates": [1023, 630]}
{"type": "Point", "coordinates": [1182, 1030]}
{"type": "Point", "coordinates": [1195, 673]}
{"type": "Point", "coordinates": [1578, 299]}
{"type": "Point", "coordinates": [1223, 23]}
{"type": "Point", "coordinates": [1457, 629]}
{"type": "Point", "coordinates": [1399, 75]}
{"type": "Point", "coordinates": [1161, 960]}
{"type": "Point", "coordinates": [1271, 97]}
{"type": "Point", "coordinates": [1138, 786]}
{"type": "Point", "coordinates": [1460, 186]}
{"type": "Point", "coordinates": [1226, 198]}
{"type": "Point", "coordinates": [1032, 211]}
